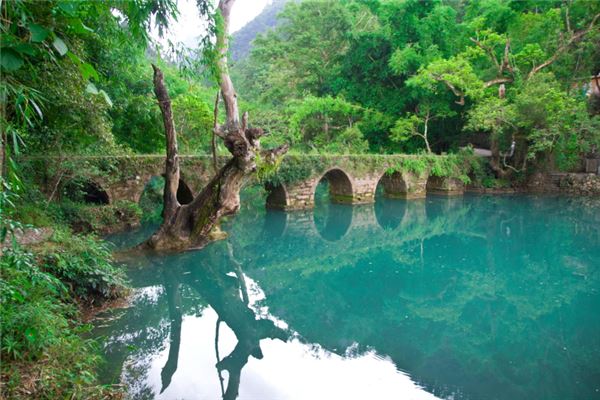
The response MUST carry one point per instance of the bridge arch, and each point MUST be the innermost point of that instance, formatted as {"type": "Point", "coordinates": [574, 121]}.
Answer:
{"type": "Point", "coordinates": [393, 184]}
{"type": "Point", "coordinates": [341, 188]}
{"type": "Point", "coordinates": [86, 191]}
{"type": "Point", "coordinates": [277, 197]}
{"type": "Point", "coordinates": [156, 183]}
{"type": "Point", "coordinates": [404, 184]}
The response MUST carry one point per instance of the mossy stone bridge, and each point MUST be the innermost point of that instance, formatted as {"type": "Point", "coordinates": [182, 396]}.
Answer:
{"type": "Point", "coordinates": [352, 179]}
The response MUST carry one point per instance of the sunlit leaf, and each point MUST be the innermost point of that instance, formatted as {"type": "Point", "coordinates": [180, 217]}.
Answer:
{"type": "Point", "coordinates": [15, 140]}
{"type": "Point", "coordinates": [74, 57]}
{"type": "Point", "coordinates": [60, 46]}
{"type": "Point", "coordinates": [37, 108]}
{"type": "Point", "coordinates": [88, 71]}
{"type": "Point", "coordinates": [91, 88]}
{"type": "Point", "coordinates": [80, 27]}
{"type": "Point", "coordinates": [106, 98]}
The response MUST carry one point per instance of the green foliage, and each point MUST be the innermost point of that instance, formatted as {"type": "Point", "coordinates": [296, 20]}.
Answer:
{"type": "Point", "coordinates": [551, 121]}
{"type": "Point", "coordinates": [306, 50]}
{"type": "Point", "coordinates": [398, 59]}
{"type": "Point", "coordinates": [327, 124]}
{"type": "Point", "coordinates": [44, 355]}
{"type": "Point", "coordinates": [86, 218]}
{"type": "Point", "coordinates": [194, 122]}
{"type": "Point", "coordinates": [29, 300]}
{"type": "Point", "coordinates": [267, 169]}
{"type": "Point", "coordinates": [555, 123]}
{"type": "Point", "coordinates": [294, 169]}
{"type": "Point", "coordinates": [151, 201]}
{"type": "Point", "coordinates": [50, 85]}
{"type": "Point", "coordinates": [84, 263]}
{"type": "Point", "coordinates": [417, 165]}
{"type": "Point", "coordinates": [455, 73]}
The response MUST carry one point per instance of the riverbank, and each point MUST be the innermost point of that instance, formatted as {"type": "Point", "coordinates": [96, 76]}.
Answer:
{"type": "Point", "coordinates": [55, 274]}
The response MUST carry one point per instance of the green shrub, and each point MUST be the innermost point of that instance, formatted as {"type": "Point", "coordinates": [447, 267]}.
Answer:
{"type": "Point", "coordinates": [43, 353]}
{"type": "Point", "coordinates": [83, 217]}
{"type": "Point", "coordinates": [84, 263]}
{"type": "Point", "coordinates": [29, 305]}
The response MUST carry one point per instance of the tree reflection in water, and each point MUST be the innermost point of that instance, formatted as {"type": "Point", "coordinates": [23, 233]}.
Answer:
{"type": "Point", "coordinates": [228, 296]}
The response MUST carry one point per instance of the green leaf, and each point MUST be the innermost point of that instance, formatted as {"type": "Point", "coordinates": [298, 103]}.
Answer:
{"type": "Point", "coordinates": [88, 71]}
{"type": "Point", "coordinates": [31, 334]}
{"type": "Point", "coordinates": [79, 27]}
{"type": "Point", "coordinates": [91, 88]}
{"type": "Point", "coordinates": [25, 48]}
{"type": "Point", "coordinates": [69, 7]}
{"type": "Point", "coordinates": [60, 46]}
{"type": "Point", "coordinates": [15, 139]}
{"type": "Point", "coordinates": [11, 60]}
{"type": "Point", "coordinates": [38, 33]}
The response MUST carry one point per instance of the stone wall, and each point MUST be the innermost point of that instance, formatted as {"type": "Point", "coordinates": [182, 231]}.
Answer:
{"type": "Point", "coordinates": [573, 183]}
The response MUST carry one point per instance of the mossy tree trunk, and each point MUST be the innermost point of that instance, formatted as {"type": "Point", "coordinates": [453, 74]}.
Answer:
{"type": "Point", "coordinates": [189, 226]}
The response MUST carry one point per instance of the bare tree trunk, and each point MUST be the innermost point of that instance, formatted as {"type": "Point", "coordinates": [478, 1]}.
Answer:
{"type": "Point", "coordinates": [227, 89]}
{"type": "Point", "coordinates": [190, 225]}
{"type": "Point", "coordinates": [170, 202]}
{"type": "Point", "coordinates": [495, 159]}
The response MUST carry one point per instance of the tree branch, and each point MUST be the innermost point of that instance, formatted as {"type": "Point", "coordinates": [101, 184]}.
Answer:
{"type": "Point", "coordinates": [505, 59]}
{"type": "Point", "coordinates": [172, 161]}
{"type": "Point", "coordinates": [489, 51]}
{"type": "Point", "coordinates": [497, 81]}
{"type": "Point", "coordinates": [577, 36]}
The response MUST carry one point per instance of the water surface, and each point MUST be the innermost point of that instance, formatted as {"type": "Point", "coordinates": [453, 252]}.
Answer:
{"type": "Point", "coordinates": [473, 297]}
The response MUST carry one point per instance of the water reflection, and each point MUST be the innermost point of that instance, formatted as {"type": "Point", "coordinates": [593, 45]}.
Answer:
{"type": "Point", "coordinates": [218, 280]}
{"type": "Point", "coordinates": [463, 298]}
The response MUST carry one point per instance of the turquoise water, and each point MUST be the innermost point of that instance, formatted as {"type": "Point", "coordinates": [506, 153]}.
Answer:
{"type": "Point", "coordinates": [474, 297]}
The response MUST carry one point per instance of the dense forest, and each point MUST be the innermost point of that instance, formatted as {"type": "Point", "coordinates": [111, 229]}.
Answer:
{"type": "Point", "coordinates": [340, 76]}
{"type": "Point", "coordinates": [515, 78]}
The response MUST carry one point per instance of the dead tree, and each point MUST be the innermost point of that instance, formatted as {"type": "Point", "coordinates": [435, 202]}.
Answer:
{"type": "Point", "coordinates": [189, 226]}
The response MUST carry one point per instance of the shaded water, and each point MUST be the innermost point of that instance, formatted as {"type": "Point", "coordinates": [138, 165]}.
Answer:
{"type": "Point", "coordinates": [458, 298]}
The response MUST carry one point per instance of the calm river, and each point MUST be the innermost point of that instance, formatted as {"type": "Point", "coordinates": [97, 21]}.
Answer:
{"type": "Point", "coordinates": [474, 297]}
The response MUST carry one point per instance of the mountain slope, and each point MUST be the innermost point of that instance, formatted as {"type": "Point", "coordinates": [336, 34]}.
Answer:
{"type": "Point", "coordinates": [242, 40]}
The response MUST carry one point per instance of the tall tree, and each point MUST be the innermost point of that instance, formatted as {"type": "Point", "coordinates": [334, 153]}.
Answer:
{"type": "Point", "coordinates": [190, 225]}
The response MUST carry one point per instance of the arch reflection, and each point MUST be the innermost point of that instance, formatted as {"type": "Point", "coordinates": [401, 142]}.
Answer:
{"type": "Point", "coordinates": [388, 212]}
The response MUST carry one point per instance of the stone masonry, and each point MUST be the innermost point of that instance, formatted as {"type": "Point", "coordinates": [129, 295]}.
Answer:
{"type": "Point", "coordinates": [352, 179]}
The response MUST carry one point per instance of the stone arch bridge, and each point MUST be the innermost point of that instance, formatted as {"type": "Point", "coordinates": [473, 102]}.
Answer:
{"type": "Point", "coordinates": [352, 179]}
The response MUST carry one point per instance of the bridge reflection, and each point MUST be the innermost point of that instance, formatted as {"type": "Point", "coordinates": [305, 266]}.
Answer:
{"type": "Point", "coordinates": [333, 222]}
